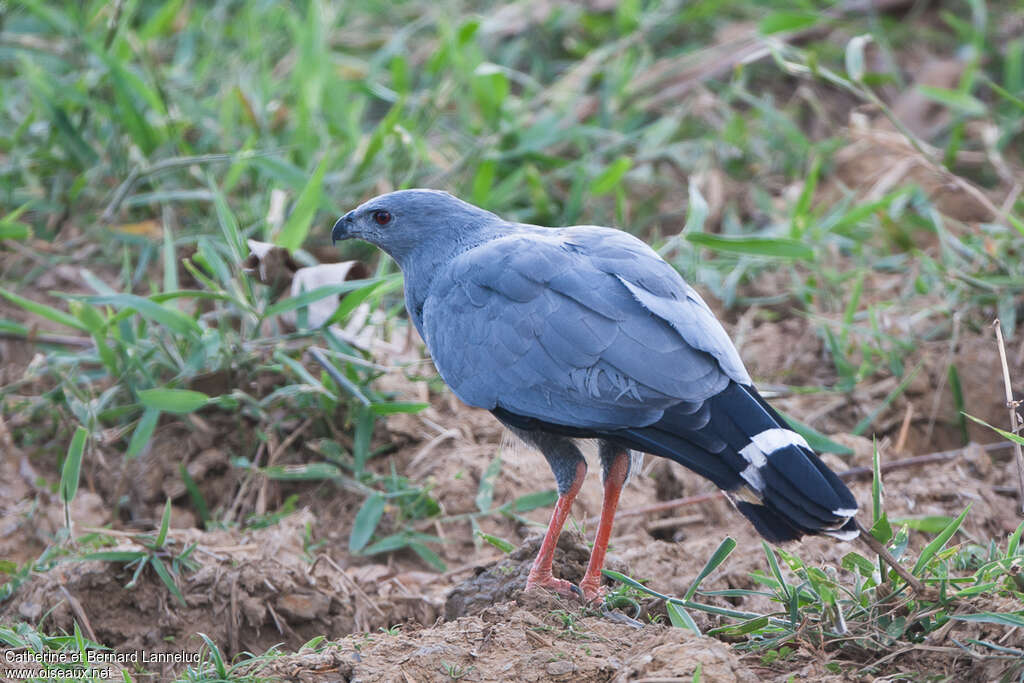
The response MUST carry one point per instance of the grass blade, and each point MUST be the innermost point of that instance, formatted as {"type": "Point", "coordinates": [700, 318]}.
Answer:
{"type": "Point", "coordinates": [177, 401]}
{"type": "Point", "coordinates": [167, 578]}
{"type": "Point", "coordinates": [143, 432]}
{"type": "Point", "coordinates": [485, 492]}
{"type": "Point", "coordinates": [366, 522]}
{"type": "Point", "coordinates": [165, 524]}
{"type": "Point", "coordinates": [717, 558]}
{"type": "Point", "coordinates": [72, 469]}
{"type": "Point", "coordinates": [44, 311]}
{"type": "Point", "coordinates": [295, 230]}
{"type": "Point", "coordinates": [936, 545]}
{"type": "Point", "coordinates": [773, 247]}
{"type": "Point", "coordinates": [680, 618]}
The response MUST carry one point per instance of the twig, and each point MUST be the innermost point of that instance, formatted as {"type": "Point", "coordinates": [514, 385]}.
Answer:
{"type": "Point", "coordinates": [901, 440]}
{"type": "Point", "coordinates": [56, 339]}
{"type": "Point", "coordinates": [1014, 425]}
{"type": "Point", "coordinates": [883, 552]}
{"type": "Point", "coordinates": [661, 507]}
{"type": "Point", "coordinates": [77, 608]}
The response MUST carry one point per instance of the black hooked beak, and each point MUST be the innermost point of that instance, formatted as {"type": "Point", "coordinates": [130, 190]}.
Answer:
{"type": "Point", "coordinates": [340, 231]}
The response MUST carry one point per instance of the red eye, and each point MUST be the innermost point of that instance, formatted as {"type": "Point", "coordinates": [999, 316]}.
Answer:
{"type": "Point", "coordinates": [381, 217]}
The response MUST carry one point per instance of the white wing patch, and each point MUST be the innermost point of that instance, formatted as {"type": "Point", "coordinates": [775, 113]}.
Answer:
{"type": "Point", "coordinates": [843, 534]}
{"type": "Point", "coordinates": [760, 447]}
{"type": "Point", "coordinates": [767, 442]}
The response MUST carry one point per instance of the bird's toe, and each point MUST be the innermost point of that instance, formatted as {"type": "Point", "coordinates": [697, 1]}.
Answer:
{"type": "Point", "coordinates": [560, 586]}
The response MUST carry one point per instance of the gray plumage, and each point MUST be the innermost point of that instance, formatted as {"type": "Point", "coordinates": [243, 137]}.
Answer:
{"type": "Point", "coordinates": [586, 332]}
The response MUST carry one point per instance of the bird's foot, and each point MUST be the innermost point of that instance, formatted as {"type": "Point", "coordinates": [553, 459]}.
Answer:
{"type": "Point", "coordinates": [593, 591]}
{"type": "Point", "coordinates": [560, 586]}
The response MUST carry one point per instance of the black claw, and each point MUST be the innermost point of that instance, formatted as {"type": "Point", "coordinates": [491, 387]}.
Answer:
{"type": "Point", "coordinates": [577, 590]}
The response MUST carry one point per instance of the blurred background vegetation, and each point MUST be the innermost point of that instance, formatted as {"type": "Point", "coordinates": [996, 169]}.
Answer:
{"type": "Point", "coordinates": [778, 154]}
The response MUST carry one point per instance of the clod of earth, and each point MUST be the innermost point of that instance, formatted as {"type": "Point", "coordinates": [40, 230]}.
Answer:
{"type": "Point", "coordinates": [585, 332]}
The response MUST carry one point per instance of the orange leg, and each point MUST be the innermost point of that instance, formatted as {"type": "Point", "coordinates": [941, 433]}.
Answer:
{"type": "Point", "coordinates": [614, 480]}
{"type": "Point", "coordinates": [540, 573]}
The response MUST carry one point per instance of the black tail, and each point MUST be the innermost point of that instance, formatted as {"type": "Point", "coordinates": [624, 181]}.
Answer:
{"type": "Point", "coordinates": [739, 442]}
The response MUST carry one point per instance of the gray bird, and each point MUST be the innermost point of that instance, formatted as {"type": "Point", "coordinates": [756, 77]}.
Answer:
{"type": "Point", "coordinates": [586, 333]}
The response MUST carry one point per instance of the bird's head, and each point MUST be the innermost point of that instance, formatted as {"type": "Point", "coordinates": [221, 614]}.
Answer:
{"type": "Point", "coordinates": [401, 222]}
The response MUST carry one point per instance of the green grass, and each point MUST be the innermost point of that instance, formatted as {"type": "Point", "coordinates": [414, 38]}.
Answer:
{"type": "Point", "coordinates": [143, 142]}
{"type": "Point", "coordinates": [858, 622]}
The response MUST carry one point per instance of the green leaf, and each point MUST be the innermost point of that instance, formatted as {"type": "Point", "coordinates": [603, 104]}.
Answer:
{"type": "Point", "coordinates": [490, 88]}
{"type": "Point", "coordinates": [195, 495]}
{"type": "Point", "coordinates": [717, 558]}
{"type": "Point", "coordinates": [680, 618]}
{"type": "Point", "coordinates": [314, 471]}
{"type": "Point", "coordinates": [177, 401]}
{"type": "Point", "coordinates": [143, 432]}
{"type": "Point", "coordinates": [1016, 438]}
{"type": "Point", "coordinates": [696, 210]}
{"type": "Point", "coordinates": [367, 519]}
{"type": "Point", "coordinates": [44, 311]}
{"type": "Point", "coordinates": [160, 22]}
{"type": "Point", "coordinates": [130, 114]}
{"type": "Point", "coordinates": [387, 544]}
{"type": "Point", "coordinates": [485, 492]}
{"type": "Point", "coordinates": [364, 420]}
{"type": "Point", "coordinates": [858, 563]}
{"type": "Point", "coordinates": [801, 215]}
{"type": "Point", "coordinates": [429, 556]}
{"type": "Point", "coordinates": [882, 529]}
{"type": "Point", "coordinates": [173, 319]}
{"type": "Point", "coordinates": [170, 262]}
{"type": "Point", "coordinates": [295, 230]}
{"type": "Point", "coordinates": [375, 288]}
{"type": "Point", "coordinates": [1004, 619]}
{"type": "Point", "coordinates": [165, 576]}
{"type": "Point", "coordinates": [932, 525]}
{"type": "Point", "coordinates": [609, 178]}
{"type": "Point", "coordinates": [939, 541]}
{"type": "Point", "coordinates": [855, 57]}
{"type": "Point", "coordinates": [772, 247]}
{"type": "Point", "coordinates": [499, 543]}
{"type": "Point", "coordinates": [165, 525]}
{"type": "Point", "coordinates": [532, 501]}
{"type": "Point", "coordinates": [742, 628]}
{"type": "Point", "coordinates": [787, 21]}
{"type": "Point", "coordinates": [215, 654]}
{"type": "Point", "coordinates": [306, 298]}
{"type": "Point", "coordinates": [960, 102]}
{"type": "Point", "coordinates": [397, 407]}
{"type": "Point", "coordinates": [14, 230]}
{"type": "Point", "coordinates": [1013, 543]}
{"type": "Point", "coordinates": [69, 474]}
{"type": "Point", "coordinates": [228, 223]}
{"type": "Point", "coordinates": [860, 212]}
{"type": "Point", "coordinates": [877, 490]}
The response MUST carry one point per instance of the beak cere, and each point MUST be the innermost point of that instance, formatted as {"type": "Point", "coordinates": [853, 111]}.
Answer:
{"type": "Point", "coordinates": [340, 230]}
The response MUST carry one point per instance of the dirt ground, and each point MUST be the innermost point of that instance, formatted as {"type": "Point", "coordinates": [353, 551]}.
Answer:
{"type": "Point", "coordinates": [392, 618]}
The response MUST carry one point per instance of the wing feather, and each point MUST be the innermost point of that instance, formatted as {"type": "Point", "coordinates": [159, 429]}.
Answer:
{"type": "Point", "coordinates": [583, 327]}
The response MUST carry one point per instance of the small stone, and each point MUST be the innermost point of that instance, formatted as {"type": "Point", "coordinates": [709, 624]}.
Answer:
{"type": "Point", "coordinates": [304, 606]}
{"type": "Point", "coordinates": [561, 667]}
